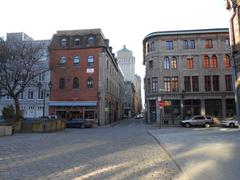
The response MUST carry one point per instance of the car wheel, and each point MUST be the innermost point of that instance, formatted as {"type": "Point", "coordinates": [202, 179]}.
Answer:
{"type": "Point", "coordinates": [187, 125]}
{"type": "Point", "coordinates": [207, 125]}
{"type": "Point", "coordinates": [83, 126]}
{"type": "Point", "coordinates": [231, 125]}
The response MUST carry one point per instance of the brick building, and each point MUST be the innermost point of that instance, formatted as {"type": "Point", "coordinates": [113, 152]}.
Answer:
{"type": "Point", "coordinates": [86, 78]}
{"type": "Point", "coordinates": [191, 71]}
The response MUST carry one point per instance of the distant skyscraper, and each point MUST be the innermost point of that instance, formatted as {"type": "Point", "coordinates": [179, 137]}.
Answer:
{"type": "Point", "coordinates": [126, 61]}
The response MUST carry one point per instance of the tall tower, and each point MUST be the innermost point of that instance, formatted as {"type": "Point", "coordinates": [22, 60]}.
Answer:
{"type": "Point", "coordinates": [126, 61]}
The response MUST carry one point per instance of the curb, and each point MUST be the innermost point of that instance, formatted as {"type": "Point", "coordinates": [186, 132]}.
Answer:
{"type": "Point", "coordinates": [168, 153]}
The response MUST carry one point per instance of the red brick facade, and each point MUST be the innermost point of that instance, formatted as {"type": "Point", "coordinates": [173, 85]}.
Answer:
{"type": "Point", "coordinates": [99, 88]}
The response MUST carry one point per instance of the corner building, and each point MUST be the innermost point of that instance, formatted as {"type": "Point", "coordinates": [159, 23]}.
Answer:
{"type": "Point", "coordinates": [87, 82]}
{"type": "Point", "coordinates": [191, 71]}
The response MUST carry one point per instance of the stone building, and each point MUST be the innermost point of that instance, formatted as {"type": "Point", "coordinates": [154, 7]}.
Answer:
{"type": "Point", "coordinates": [191, 71]}
{"type": "Point", "coordinates": [33, 100]}
{"type": "Point", "coordinates": [86, 78]}
{"type": "Point", "coordinates": [234, 8]}
{"type": "Point", "coordinates": [126, 62]}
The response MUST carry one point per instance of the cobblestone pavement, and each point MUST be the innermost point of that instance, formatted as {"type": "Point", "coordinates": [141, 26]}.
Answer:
{"type": "Point", "coordinates": [125, 151]}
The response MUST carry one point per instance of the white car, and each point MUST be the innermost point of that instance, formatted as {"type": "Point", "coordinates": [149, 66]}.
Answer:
{"type": "Point", "coordinates": [230, 123]}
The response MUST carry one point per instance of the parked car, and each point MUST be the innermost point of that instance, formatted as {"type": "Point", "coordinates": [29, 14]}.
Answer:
{"type": "Point", "coordinates": [230, 123]}
{"type": "Point", "coordinates": [78, 122]}
{"type": "Point", "coordinates": [198, 120]}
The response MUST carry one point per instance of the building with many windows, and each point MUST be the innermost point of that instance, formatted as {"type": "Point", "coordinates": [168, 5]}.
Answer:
{"type": "Point", "coordinates": [190, 72]}
{"type": "Point", "coordinates": [33, 100]}
{"type": "Point", "coordinates": [234, 8]}
{"type": "Point", "coordinates": [87, 81]}
{"type": "Point", "coordinates": [126, 62]}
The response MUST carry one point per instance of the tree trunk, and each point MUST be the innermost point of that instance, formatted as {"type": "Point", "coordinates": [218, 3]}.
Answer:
{"type": "Point", "coordinates": [18, 120]}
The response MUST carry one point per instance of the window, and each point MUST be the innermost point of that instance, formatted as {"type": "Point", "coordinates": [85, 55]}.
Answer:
{"type": "Point", "coordinates": [63, 42]}
{"type": "Point", "coordinates": [30, 94]}
{"type": "Point", "coordinates": [90, 61]}
{"type": "Point", "coordinates": [174, 63]}
{"type": "Point", "coordinates": [61, 83]}
{"type": "Point", "coordinates": [195, 84]}
{"type": "Point", "coordinates": [185, 44]}
{"type": "Point", "coordinates": [20, 96]}
{"type": "Point", "coordinates": [169, 45]}
{"type": "Point", "coordinates": [77, 41]}
{"type": "Point", "coordinates": [175, 84]}
{"type": "Point", "coordinates": [208, 43]}
{"type": "Point", "coordinates": [90, 40]}
{"type": "Point", "coordinates": [75, 83]}
{"type": "Point", "coordinates": [187, 83]}
{"type": "Point", "coordinates": [167, 84]}
{"type": "Point", "coordinates": [40, 93]}
{"type": "Point", "coordinates": [215, 83]}
{"type": "Point", "coordinates": [207, 82]}
{"type": "Point", "coordinates": [76, 60]}
{"type": "Point", "coordinates": [166, 63]}
{"type": "Point", "coordinates": [147, 47]}
{"type": "Point", "coordinates": [63, 60]}
{"type": "Point", "coordinates": [154, 84]}
{"type": "Point", "coordinates": [227, 62]}
{"type": "Point", "coordinates": [41, 77]}
{"type": "Point", "coordinates": [189, 63]}
{"type": "Point", "coordinates": [228, 80]}
{"type": "Point", "coordinates": [90, 83]}
{"type": "Point", "coordinates": [192, 44]}
{"type": "Point", "coordinates": [148, 85]}
{"type": "Point", "coordinates": [227, 42]}
{"type": "Point", "coordinates": [206, 63]}
{"type": "Point", "coordinates": [151, 64]}
{"type": "Point", "coordinates": [152, 47]}
{"type": "Point", "coordinates": [214, 63]}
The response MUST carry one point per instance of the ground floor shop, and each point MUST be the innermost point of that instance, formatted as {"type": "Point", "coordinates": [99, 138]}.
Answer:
{"type": "Point", "coordinates": [177, 109]}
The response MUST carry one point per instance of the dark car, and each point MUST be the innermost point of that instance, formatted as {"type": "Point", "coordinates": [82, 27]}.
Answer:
{"type": "Point", "coordinates": [78, 122]}
{"type": "Point", "coordinates": [199, 120]}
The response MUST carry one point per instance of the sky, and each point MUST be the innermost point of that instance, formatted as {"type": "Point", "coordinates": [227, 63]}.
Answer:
{"type": "Point", "coordinates": [123, 22]}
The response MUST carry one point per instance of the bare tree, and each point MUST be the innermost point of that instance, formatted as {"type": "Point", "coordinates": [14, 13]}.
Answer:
{"type": "Point", "coordinates": [20, 63]}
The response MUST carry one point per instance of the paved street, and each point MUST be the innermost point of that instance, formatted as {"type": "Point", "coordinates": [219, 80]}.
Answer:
{"type": "Point", "coordinates": [125, 151]}
{"type": "Point", "coordinates": [203, 153]}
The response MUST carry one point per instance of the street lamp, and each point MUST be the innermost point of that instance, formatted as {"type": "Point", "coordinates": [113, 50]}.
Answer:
{"type": "Point", "coordinates": [40, 86]}
{"type": "Point", "coordinates": [182, 104]}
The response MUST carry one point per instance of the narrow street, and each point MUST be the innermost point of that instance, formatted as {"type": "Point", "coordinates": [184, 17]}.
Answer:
{"type": "Point", "coordinates": [122, 151]}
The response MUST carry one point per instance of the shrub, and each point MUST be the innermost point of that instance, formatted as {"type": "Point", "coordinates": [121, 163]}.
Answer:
{"type": "Point", "coordinates": [8, 114]}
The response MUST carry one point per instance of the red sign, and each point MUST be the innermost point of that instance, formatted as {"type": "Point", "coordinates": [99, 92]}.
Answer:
{"type": "Point", "coordinates": [161, 103]}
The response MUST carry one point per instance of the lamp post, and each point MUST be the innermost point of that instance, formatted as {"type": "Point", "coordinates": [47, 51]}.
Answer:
{"type": "Point", "coordinates": [182, 104]}
{"type": "Point", "coordinates": [40, 86]}
{"type": "Point", "coordinates": [161, 105]}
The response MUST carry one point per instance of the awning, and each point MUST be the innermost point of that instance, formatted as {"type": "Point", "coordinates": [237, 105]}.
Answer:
{"type": "Point", "coordinates": [72, 103]}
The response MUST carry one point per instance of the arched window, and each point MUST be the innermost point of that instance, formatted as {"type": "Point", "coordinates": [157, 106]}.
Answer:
{"type": "Point", "coordinates": [63, 42]}
{"type": "Point", "coordinates": [75, 83]}
{"type": "Point", "coordinates": [227, 62]}
{"type": "Point", "coordinates": [166, 63]}
{"type": "Point", "coordinates": [206, 63]}
{"type": "Point", "coordinates": [214, 63]}
{"type": "Point", "coordinates": [76, 60]}
{"type": "Point", "coordinates": [90, 82]}
{"type": "Point", "coordinates": [90, 40]}
{"type": "Point", "coordinates": [174, 63]}
{"type": "Point", "coordinates": [62, 60]}
{"type": "Point", "coordinates": [90, 61]}
{"type": "Point", "coordinates": [148, 47]}
{"type": "Point", "coordinates": [61, 83]}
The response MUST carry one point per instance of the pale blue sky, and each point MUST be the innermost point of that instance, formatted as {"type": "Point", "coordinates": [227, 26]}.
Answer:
{"type": "Point", "coordinates": [122, 21]}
